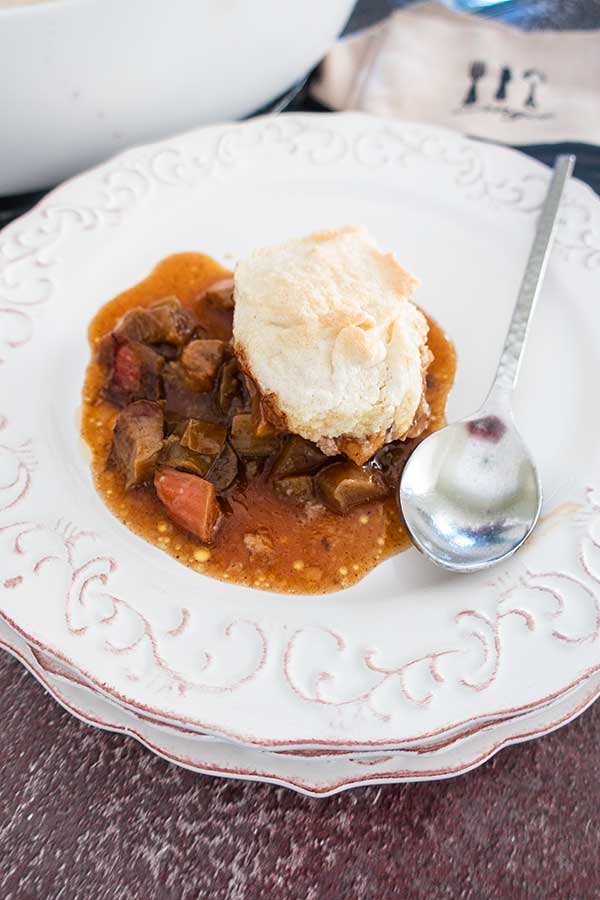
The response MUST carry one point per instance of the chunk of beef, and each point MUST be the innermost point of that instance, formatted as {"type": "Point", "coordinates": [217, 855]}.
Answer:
{"type": "Point", "coordinates": [232, 395]}
{"type": "Point", "coordinates": [201, 360]}
{"type": "Point", "coordinates": [178, 457]}
{"type": "Point", "coordinates": [344, 485]}
{"type": "Point", "coordinates": [214, 309]}
{"type": "Point", "coordinates": [298, 457]}
{"type": "Point", "coordinates": [191, 501]}
{"type": "Point", "coordinates": [391, 460]}
{"type": "Point", "coordinates": [224, 470]}
{"type": "Point", "coordinates": [182, 398]}
{"type": "Point", "coordinates": [137, 441]}
{"type": "Point", "coordinates": [267, 420]}
{"type": "Point", "coordinates": [134, 373]}
{"type": "Point", "coordinates": [247, 443]}
{"type": "Point", "coordinates": [176, 323]}
{"type": "Point", "coordinates": [203, 437]}
{"type": "Point", "coordinates": [138, 325]}
{"type": "Point", "coordinates": [165, 321]}
{"type": "Point", "coordinates": [220, 294]}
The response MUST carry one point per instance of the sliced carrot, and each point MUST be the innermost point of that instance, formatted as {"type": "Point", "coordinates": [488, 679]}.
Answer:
{"type": "Point", "coordinates": [190, 501]}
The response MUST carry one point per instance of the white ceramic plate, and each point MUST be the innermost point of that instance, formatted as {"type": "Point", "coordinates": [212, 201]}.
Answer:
{"type": "Point", "coordinates": [52, 670]}
{"type": "Point", "coordinates": [410, 653]}
{"type": "Point", "coordinates": [318, 776]}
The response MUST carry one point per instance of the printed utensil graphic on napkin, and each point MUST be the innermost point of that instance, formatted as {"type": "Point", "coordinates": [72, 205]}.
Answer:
{"type": "Point", "coordinates": [505, 77]}
{"type": "Point", "coordinates": [534, 77]}
{"type": "Point", "coordinates": [477, 71]}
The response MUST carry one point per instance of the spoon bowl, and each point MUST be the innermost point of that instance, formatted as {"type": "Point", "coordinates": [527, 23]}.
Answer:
{"type": "Point", "coordinates": [470, 493]}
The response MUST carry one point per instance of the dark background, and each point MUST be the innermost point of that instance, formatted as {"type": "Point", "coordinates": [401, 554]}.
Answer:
{"type": "Point", "coordinates": [86, 814]}
{"type": "Point", "coordinates": [560, 14]}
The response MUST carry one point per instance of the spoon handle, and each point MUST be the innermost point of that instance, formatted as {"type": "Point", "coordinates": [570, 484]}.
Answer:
{"type": "Point", "coordinates": [512, 353]}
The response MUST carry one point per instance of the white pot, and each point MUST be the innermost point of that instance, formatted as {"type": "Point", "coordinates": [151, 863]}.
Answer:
{"type": "Point", "coordinates": [80, 79]}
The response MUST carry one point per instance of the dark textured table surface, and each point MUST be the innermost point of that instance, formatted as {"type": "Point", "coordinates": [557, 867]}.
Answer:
{"type": "Point", "coordinates": [85, 814]}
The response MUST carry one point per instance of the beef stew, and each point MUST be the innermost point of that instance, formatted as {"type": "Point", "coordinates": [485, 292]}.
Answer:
{"type": "Point", "coordinates": [179, 452]}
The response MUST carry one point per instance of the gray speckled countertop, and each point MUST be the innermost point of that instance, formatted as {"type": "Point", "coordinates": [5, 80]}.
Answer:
{"type": "Point", "coordinates": [86, 814]}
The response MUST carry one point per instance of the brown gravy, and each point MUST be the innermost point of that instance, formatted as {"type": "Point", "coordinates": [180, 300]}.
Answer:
{"type": "Point", "coordinates": [265, 542]}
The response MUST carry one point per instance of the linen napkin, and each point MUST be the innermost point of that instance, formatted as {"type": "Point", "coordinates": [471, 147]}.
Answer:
{"type": "Point", "coordinates": [430, 63]}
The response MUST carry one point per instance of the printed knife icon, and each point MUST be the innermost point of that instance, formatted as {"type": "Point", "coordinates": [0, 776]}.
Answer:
{"type": "Point", "coordinates": [505, 77]}
{"type": "Point", "coordinates": [476, 71]}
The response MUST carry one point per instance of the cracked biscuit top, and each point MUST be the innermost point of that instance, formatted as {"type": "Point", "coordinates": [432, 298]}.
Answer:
{"type": "Point", "coordinates": [325, 328]}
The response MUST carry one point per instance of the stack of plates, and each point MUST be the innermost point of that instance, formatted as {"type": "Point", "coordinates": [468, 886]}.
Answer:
{"type": "Point", "coordinates": [412, 674]}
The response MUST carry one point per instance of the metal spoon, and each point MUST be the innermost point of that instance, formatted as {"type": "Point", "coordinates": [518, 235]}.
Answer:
{"type": "Point", "coordinates": [470, 493]}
